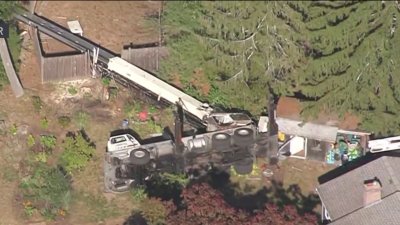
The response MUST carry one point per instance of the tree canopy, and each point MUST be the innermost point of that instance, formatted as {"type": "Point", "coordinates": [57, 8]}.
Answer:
{"type": "Point", "coordinates": [341, 56]}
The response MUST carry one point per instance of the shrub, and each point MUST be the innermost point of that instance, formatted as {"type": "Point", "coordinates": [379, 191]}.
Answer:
{"type": "Point", "coordinates": [64, 121]}
{"type": "Point", "coordinates": [13, 129]}
{"type": "Point", "coordinates": [77, 152]}
{"type": "Point", "coordinates": [154, 211]}
{"type": "Point", "coordinates": [47, 190]}
{"type": "Point", "coordinates": [41, 157]}
{"type": "Point", "coordinates": [48, 142]}
{"type": "Point", "coordinates": [31, 141]}
{"type": "Point", "coordinates": [37, 103]}
{"type": "Point", "coordinates": [72, 90]}
{"type": "Point", "coordinates": [106, 81]}
{"type": "Point", "coordinates": [44, 123]}
{"type": "Point", "coordinates": [138, 194]}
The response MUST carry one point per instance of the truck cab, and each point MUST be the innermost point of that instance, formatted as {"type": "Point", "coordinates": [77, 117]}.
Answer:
{"type": "Point", "coordinates": [120, 146]}
{"type": "Point", "coordinates": [221, 121]}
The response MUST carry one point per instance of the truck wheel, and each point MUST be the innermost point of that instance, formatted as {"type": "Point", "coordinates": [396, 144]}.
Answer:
{"type": "Point", "coordinates": [244, 166]}
{"type": "Point", "coordinates": [139, 156]}
{"type": "Point", "coordinates": [221, 141]}
{"type": "Point", "coordinates": [243, 136]}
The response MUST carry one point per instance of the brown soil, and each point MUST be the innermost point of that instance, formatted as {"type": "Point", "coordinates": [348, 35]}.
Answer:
{"type": "Point", "coordinates": [291, 108]}
{"type": "Point", "coordinates": [112, 24]}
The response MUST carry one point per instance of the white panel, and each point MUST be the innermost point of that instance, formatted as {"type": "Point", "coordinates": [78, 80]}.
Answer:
{"type": "Point", "coordinates": [157, 86]}
{"type": "Point", "coordinates": [296, 145]}
{"type": "Point", "coordinates": [307, 130]}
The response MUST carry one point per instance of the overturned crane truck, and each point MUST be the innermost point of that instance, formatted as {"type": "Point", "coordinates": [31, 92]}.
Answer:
{"type": "Point", "coordinates": [229, 142]}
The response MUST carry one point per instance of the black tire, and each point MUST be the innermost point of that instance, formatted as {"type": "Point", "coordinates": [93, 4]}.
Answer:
{"type": "Point", "coordinates": [244, 166]}
{"type": "Point", "coordinates": [243, 137]}
{"type": "Point", "coordinates": [221, 141]}
{"type": "Point", "coordinates": [139, 156]}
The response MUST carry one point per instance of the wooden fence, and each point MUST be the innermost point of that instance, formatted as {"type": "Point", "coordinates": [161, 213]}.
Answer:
{"type": "Point", "coordinates": [60, 66]}
{"type": "Point", "coordinates": [146, 58]}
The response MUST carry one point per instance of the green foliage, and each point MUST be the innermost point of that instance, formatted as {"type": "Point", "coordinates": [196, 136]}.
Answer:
{"type": "Point", "coordinates": [31, 141]}
{"type": "Point", "coordinates": [174, 179]}
{"type": "Point", "coordinates": [64, 121]}
{"type": "Point", "coordinates": [13, 129]}
{"type": "Point", "coordinates": [153, 211]}
{"type": "Point", "coordinates": [77, 152]}
{"type": "Point", "coordinates": [44, 123]}
{"type": "Point", "coordinates": [48, 190]}
{"type": "Point", "coordinates": [342, 55]}
{"type": "Point", "coordinates": [106, 81]}
{"type": "Point", "coordinates": [72, 90]}
{"type": "Point", "coordinates": [7, 8]}
{"type": "Point", "coordinates": [239, 46]}
{"type": "Point", "coordinates": [48, 142]}
{"type": "Point", "coordinates": [37, 103]}
{"type": "Point", "coordinates": [41, 157]}
{"type": "Point", "coordinates": [81, 119]}
{"type": "Point", "coordinates": [138, 194]}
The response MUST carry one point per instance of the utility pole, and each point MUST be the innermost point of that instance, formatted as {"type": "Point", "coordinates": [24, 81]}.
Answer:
{"type": "Point", "coordinates": [272, 128]}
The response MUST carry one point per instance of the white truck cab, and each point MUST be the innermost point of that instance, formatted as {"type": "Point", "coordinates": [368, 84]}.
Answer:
{"type": "Point", "coordinates": [121, 145]}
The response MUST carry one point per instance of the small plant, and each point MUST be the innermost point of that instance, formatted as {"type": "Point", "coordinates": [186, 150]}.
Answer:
{"type": "Point", "coordinates": [72, 90]}
{"type": "Point", "coordinates": [106, 81]}
{"type": "Point", "coordinates": [44, 123]}
{"type": "Point", "coordinates": [29, 210]}
{"type": "Point", "coordinates": [37, 103]}
{"type": "Point", "coordinates": [64, 121]}
{"type": "Point", "coordinates": [138, 194]}
{"type": "Point", "coordinates": [81, 119]}
{"type": "Point", "coordinates": [77, 152]}
{"type": "Point", "coordinates": [152, 109]}
{"type": "Point", "coordinates": [113, 92]}
{"type": "Point", "coordinates": [47, 189]}
{"type": "Point", "coordinates": [31, 141]}
{"type": "Point", "coordinates": [48, 142]}
{"type": "Point", "coordinates": [13, 129]}
{"type": "Point", "coordinates": [41, 157]}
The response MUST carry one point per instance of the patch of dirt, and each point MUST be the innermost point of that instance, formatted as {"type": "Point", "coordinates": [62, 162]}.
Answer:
{"type": "Point", "coordinates": [112, 24]}
{"type": "Point", "coordinates": [290, 108]}
{"type": "Point", "coordinates": [200, 82]}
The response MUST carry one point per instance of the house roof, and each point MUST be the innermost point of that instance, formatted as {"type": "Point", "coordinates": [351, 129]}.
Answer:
{"type": "Point", "coordinates": [342, 196]}
{"type": "Point", "coordinates": [289, 107]}
{"type": "Point", "coordinates": [384, 212]}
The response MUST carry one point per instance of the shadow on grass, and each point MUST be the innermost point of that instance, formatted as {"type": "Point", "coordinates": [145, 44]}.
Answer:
{"type": "Point", "coordinates": [276, 194]}
{"type": "Point", "coordinates": [240, 198]}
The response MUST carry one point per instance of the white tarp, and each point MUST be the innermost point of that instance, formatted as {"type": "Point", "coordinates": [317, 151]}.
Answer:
{"type": "Point", "coordinates": [307, 130]}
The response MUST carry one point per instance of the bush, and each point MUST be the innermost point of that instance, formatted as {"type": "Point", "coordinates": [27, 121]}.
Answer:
{"type": "Point", "coordinates": [106, 81]}
{"type": "Point", "coordinates": [138, 194]}
{"type": "Point", "coordinates": [77, 152]}
{"type": "Point", "coordinates": [47, 190]}
{"type": "Point", "coordinates": [154, 211]}
{"type": "Point", "coordinates": [31, 141]}
{"type": "Point", "coordinates": [37, 103]}
{"type": "Point", "coordinates": [72, 90]}
{"type": "Point", "coordinates": [64, 121]}
{"type": "Point", "coordinates": [44, 123]}
{"type": "Point", "coordinates": [48, 142]}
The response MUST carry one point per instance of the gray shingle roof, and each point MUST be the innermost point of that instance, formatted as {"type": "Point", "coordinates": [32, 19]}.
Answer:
{"type": "Point", "coordinates": [385, 212]}
{"type": "Point", "coordinates": [343, 195]}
